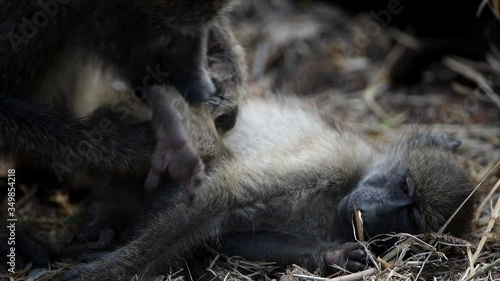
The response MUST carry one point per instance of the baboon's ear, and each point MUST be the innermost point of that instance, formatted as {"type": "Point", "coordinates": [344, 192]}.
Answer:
{"type": "Point", "coordinates": [434, 139]}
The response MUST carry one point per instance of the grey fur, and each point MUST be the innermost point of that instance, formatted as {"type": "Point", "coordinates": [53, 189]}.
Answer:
{"type": "Point", "coordinates": [283, 172]}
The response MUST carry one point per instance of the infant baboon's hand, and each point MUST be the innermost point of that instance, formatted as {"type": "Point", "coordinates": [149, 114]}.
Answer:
{"type": "Point", "coordinates": [173, 152]}
{"type": "Point", "coordinates": [350, 256]}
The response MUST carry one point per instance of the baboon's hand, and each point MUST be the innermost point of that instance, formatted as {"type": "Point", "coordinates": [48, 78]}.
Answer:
{"type": "Point", "coordinates": [350, 256]}
{"type": "Point", "coordinates": [173, 152]}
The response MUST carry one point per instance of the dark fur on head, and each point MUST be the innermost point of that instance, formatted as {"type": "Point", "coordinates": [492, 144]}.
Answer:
{"type": "Point", "coordinates": [432, 154]}
{"type": "Point", "coordinates": [414, 187]}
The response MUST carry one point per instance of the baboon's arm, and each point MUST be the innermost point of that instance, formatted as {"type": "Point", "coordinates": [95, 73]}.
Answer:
{"type": "Point", "coordinates": [44, 136]}
{"type": "Point", "coordinates": [288, 248]}
{"type": "Point", "coordinates": [169, 237]}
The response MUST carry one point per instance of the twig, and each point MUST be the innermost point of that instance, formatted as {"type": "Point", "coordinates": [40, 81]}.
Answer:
{"type": "Point", "coordinates": [31, 193]}
{"type": "Point", "coordinates": [301, 269]}
{"type": "Point", "coordinates": [405, 39]}
{"type": "Point", "coordinates": [189, 271]}
{"type": "Point", "coordinates": [484, 269]}
{"type": "Point", "coordinates": [370, 95]}
{"type": "Point", "coordinates": [472, 74]}
{"type": "Point", "coordinates": [495, 7]}
{"type": "Point", "coordinates": [384, 263]}
{"type": "Point", "coordinates": [476, 130]}
{"type": "Point", "coordinates": [483, 4]}
{"type": "Point", "coordinates": [356, 276]}
{"type": "Point", "coordinates": [467, 199]}
{"type": "Point", "coordinates": [260, 59]}
{"type": "Point", "coordinates": [486, 200]}
{"type": "Point", "coordinates": [212, 264]}
{"type": "Point", "coordinates": [493, 62]}
{"type": "Point", "coordinates": [358, 216]}
{"type": "Point", "coordinates": [489, 227]}
{"type": "Point", "coordinates": [379, 84]}
{"type": "Point", "coordinates": [423, 265]}
{"type": "Point", "coordinates": [310, 277]}
{"type": "Point", "coordinates": [487, 169]}
{"type": "Point", "coordinates": [350, 277]}
{"type": "Point", "coordinates": [395, 250]}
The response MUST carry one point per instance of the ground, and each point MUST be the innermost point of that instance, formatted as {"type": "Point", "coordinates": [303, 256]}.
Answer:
{"type": "Point", "coordinates": [321, 52]}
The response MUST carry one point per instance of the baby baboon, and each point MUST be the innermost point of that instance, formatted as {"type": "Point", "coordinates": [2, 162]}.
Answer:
{"type": "Point", "coordinates": [284, 188]}
{"type": "Point", "coordinates": [145, 43]}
